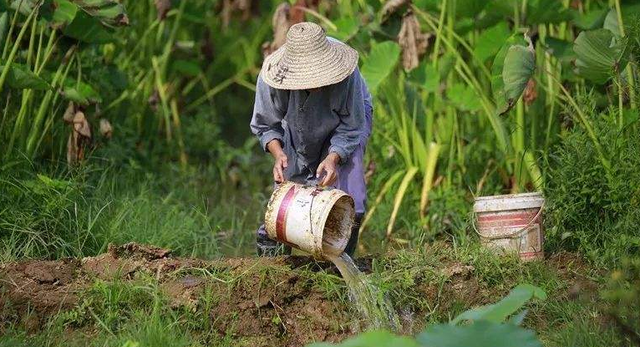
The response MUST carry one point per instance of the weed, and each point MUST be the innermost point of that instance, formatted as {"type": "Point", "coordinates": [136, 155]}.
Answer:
{"type": "Point", "coordinates": [588, 211]}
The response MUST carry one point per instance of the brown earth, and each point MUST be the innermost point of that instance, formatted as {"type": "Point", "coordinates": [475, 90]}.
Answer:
{"type": "Point", "coordinates": [258, 301]}
{"type": "Point", "coordinates": [255, 301]}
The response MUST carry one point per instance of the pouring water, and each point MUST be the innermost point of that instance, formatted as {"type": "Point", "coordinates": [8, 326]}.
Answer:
{"type": "Point", "coordinates": [319, 221]}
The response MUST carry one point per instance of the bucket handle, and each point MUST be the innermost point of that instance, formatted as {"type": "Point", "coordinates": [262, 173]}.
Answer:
{"type": "Point", "coordinates": [512, 235]}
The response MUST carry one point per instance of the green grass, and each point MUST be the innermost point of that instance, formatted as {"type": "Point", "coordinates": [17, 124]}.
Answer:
{"type": "Point", "coordinates": [46, 214]}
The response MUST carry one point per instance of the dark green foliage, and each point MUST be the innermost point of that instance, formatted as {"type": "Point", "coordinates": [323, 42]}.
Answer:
{"type": "Point", "coordinates": [587, 211]}
{"type": "Point", "coordinates": [623, 293]}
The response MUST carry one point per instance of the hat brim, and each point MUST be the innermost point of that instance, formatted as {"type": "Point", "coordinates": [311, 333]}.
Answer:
{"type": "Point", "coordinates": [297, 73]}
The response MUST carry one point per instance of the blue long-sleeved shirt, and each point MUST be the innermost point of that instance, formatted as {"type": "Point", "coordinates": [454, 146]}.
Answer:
{"type": "Point", "coordinates": [312, 124]}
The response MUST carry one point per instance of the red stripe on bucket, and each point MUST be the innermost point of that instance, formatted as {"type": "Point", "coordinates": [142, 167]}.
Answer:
{"type": "Point", "coordinates": [281, 218]}
{"type": "Point", "coordinates": [507, 219]}
{"type": "Point", "coordinates": [511, 216]}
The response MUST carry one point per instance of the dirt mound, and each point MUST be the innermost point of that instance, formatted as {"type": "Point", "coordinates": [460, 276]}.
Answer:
{"type": "Point", "coordinates": [256, 300]}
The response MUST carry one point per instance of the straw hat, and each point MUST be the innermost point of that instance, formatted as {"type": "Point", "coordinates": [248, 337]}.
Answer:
{"type": "Point", "coordinates": [308, 60]}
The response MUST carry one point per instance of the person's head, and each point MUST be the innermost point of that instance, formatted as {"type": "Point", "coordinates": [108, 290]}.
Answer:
{"type": "Point", "coordinates": [308, 60]}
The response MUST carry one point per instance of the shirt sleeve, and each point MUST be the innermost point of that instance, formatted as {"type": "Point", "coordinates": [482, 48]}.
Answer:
{"type": "Point", "coordinates": [346, 137]}
{"type": "Point", "coordinates": [266, 122]}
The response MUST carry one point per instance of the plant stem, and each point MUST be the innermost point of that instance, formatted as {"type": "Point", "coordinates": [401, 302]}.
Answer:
{"type": "Point", "coordinates": [14, 50]}
{"type": "Point", "coordinates": [629, 68]}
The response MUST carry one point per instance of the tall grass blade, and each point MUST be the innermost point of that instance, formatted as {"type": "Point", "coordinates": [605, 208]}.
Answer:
{"type": "Point", "coordinates": [402, 190]}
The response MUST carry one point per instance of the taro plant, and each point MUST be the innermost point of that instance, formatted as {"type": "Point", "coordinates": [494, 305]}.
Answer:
{"type": "Point", "coordinates": [41, 65]}
{"type": "Point", "coordinates": [474, 94]}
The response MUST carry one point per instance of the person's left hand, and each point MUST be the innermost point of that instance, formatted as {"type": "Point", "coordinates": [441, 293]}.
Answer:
{"type": "Point", "coordinates": [329, 167]}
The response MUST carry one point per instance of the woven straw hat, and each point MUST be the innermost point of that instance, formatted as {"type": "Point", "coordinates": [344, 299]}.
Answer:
{"type": "Point", "coordinates": [308, 60]}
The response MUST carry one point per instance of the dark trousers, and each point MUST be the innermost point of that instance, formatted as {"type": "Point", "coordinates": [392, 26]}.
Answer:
{"type": "Point", "coordinates": [267, 247]}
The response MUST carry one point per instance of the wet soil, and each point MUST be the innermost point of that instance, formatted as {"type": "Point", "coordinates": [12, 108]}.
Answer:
{"type": "Point", "coordinates": [255, 301]}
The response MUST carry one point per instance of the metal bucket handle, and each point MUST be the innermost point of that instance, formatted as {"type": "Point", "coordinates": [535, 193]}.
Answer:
{"type": "Point", "coordinates": [512, 235]}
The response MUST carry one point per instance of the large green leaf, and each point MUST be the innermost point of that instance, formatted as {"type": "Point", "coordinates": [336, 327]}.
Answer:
{"type": "Point", "coordinates": [58, 12]}
{"type": "Point", "coordinates": [187, 67]}
{"type": "Point", "coordinates": [561, 49]}
{"type": "Point", "coordinates": [428, 5]}
{"type": "Point", "coordinates": [590, 20]}
{"type": "Point", "coordinates": [599, 55]}
{"type": "Point", "coordinates": [507, 75]}
{"type": "Point", "coordinates": [519, 65]}
{"type": "Point", "coordinates": [479, 334]}
{"type": "Point", "coordinates": [380, 62]}
{"type": "Point", "coordinates": [87, 29]}
{"type": "Point", "coordinates": [23, 6]}
{"type": "Point", "coordinates": [469, 8]}
{"type": "Point", "coordinates": [463, 97]}
{"type": "Point", "coordinates": [425, 75]}
{"type": "Point", "coordinates": [20, 77]}
{"type": "Point", "coordinates": [80, 92]}
{"type": "Point", "coordinates": [346, 27]}
{"type": "Point", "coordinates": [432, 79]}
{"type": "Point", "coordinates": [373, 338]}
{"type": "Point", "coordinates": [611, 22]}
{"type": "Point", "coordinates": [502, 8]}
{"type": "Point", "coordinates": [504, 308]}
{"type": "Point", "coordinates": [491, 40]}
{"type": "Point", "coordinates": [546, 12]}
{"type": "Point", "coordinates": [109, 12]}
{"type": "Point", "coordinates": [629, 15]}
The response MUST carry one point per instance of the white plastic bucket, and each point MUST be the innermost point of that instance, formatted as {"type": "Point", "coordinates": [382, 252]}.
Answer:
{"type": "Point", "coordinates": [512, 223]}
{"type": "Point", "coordinates": [313, 219]}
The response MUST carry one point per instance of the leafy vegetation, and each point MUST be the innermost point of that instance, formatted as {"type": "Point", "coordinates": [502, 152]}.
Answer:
{"type": "Point", "coordinates": [487, 327]}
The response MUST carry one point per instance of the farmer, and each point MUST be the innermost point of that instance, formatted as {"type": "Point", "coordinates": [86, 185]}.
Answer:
{"type": "Point", "coordinates": [313, 112]}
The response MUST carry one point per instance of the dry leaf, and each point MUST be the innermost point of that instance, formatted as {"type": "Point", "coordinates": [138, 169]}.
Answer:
{"type": "Point", "coordinates": [229, 6]}
{"type": "Point", "coordinates": [530, 92]}
{"type": "Point", "coordinates": [390, 7]}
{"type": "Point", "coordinates": [226, 13]}
{"type": "Point", "coordinates": [371, 170]}
{"type": "Point", "coordinates": [81, 125]}
{"type": "Point", "coordinates": [106, 129]}
{"type": "Point", "coordinates": [296, 14]}
{"type": "Point", "coordinates": [154, 100]}
{"type": "Point", "coordinates": [281, 25]}
{"type": "Point", "coordinates": [72, 149]}
{"type": "Point", "coordinates": [413, 42]}
{"type": "Point", "coordinates": [69, 113]}
{"type": "Point", "coordinates": [576, 4]}
{"type": "Point", "coordinates": [162, 6]}
{"type": "Point", "coordinates": [245, 7]}
{"type": "Point", "coordinates": [79, 138]}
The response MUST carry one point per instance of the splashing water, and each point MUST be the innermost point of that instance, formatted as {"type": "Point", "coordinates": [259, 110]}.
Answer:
{"type": "Point", "coordinates": [371, 303]}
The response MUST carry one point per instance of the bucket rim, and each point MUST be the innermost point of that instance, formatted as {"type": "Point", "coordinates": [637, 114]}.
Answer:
{"type": "Point", "coordinates": [319, 214]}
{"type": "Point", "coordinates": [508, 202]}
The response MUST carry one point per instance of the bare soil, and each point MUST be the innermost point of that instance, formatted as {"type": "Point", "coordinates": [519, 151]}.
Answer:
{"type": "Point", "coordinates": [259, 301]}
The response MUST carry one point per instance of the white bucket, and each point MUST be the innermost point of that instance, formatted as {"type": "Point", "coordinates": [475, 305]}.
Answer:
{"type": "Point", "coordinates": [313, 219]}
{"type": "Point", "coordinates": [512, 223]}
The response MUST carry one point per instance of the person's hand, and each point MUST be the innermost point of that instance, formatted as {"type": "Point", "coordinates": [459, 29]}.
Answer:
{"type": "Point", "coordinates": [279, 166]}
{"type": "Point", "coordinates": [329, 169]}
{"type": "Point", "coordinates": [280, 160]}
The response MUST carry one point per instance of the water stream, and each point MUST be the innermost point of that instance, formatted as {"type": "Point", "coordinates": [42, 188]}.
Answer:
{"type": "Point", "coordinates": [369, 300]}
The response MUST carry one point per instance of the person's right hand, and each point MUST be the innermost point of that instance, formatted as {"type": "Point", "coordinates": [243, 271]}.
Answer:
{"type": "Point", "coordinates": [278, 167]}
